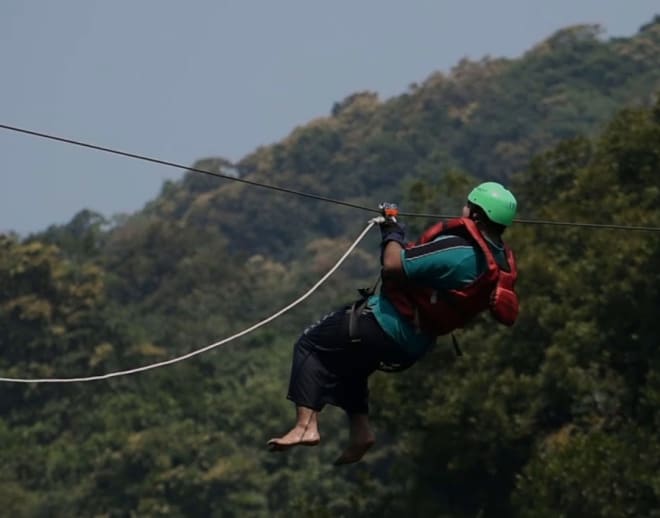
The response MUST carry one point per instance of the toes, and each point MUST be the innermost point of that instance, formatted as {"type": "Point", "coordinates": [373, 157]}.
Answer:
{"type": "Point", "coordinates": [274, 445]}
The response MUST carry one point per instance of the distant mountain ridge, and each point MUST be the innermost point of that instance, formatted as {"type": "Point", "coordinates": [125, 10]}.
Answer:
{"type": "Point", "coordinates": [566, 402]}
{"type": "Point", "coordinates": [487, 118]}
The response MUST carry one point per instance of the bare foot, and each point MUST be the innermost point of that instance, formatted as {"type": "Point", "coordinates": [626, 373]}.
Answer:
{"type": "Point", "coordinates": [297, 436]}
{"type": "Point", "coordinates": [355, 451]}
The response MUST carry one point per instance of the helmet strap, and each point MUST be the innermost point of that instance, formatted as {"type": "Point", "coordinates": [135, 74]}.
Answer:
{"type": "Point", "coordinates": [491, 230]}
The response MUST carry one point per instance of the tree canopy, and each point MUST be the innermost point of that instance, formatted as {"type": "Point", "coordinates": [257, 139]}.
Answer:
{"type": "Point", "coordinates": [556, 416]}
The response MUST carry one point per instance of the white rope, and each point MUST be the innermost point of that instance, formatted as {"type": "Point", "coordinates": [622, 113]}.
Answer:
{"type": "Point", "coordinates": [372, 222]}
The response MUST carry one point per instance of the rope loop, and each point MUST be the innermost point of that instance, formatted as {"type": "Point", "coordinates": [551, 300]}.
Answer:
{"type": "Point", "coordinates": [208, 347]}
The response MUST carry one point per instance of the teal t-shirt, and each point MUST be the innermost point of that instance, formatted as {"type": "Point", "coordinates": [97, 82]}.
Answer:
{"type": "Point", "coordinates": [440, 266]}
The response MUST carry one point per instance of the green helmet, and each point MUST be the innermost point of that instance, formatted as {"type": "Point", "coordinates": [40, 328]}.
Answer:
{"type": "Point", "coordinates": [497, 202]}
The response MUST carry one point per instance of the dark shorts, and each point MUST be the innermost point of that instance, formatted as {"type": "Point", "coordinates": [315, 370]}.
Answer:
{"type": "Point", "coordinates": [329, 368]}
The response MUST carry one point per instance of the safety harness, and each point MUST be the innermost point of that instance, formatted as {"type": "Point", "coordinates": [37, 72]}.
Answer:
{"type": "Point", "coordinates": [439, 312]}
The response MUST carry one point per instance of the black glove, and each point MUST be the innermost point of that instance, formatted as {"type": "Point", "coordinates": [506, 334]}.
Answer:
{"type": "Point", "coordinates": [392, 230]}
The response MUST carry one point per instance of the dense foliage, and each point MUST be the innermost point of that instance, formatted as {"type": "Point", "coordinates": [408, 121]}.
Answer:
{"type": "Point", "coordinates": [554, 417]}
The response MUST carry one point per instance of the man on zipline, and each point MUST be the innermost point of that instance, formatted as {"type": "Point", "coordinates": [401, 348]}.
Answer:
{"type": "Point", "coordinates": [456, 270]}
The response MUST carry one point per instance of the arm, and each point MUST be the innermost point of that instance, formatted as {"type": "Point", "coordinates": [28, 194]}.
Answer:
{"type": "Point", "coordinates": [393, 240]}
{"type": "Point", "coordinates": [392, 264]}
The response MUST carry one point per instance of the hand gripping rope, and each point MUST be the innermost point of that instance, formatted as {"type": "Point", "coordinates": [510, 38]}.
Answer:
{"type": "Point", "coordinates": [116, 374]}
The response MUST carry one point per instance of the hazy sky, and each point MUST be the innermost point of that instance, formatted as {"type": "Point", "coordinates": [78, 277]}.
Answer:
{"type": "Point", "coordinates": [185, 80]}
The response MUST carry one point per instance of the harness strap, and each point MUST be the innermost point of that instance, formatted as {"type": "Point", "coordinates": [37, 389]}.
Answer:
{"type": "Point", "coordinates": [457, 349]}
{"type": "Point", "coordinates": [356, 310]}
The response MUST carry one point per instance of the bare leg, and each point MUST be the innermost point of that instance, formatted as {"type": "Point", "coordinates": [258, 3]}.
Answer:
{"type": "Point", "coordinates": [304, 433]}
{"type": "Point", "coordinates": [361, 439]}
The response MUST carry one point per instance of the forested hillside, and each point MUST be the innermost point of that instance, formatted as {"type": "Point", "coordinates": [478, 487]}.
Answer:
{"type": "Point", "coordinates": [557, 416]}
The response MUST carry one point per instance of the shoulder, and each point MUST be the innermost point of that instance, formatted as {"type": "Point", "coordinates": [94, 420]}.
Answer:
{"type": "Point", "coordinates": [445, 245]}
{"type": "Point", "coordinates": [445, 256]}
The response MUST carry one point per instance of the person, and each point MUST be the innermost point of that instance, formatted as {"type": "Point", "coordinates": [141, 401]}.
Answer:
{"type": "Point", "coordinates": [456, 270]}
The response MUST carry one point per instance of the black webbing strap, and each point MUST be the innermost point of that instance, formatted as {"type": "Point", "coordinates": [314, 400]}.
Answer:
{"type": "Point", "coordinates": [457, 349]}
{"type": "Point", "coordinates": [356, 310]}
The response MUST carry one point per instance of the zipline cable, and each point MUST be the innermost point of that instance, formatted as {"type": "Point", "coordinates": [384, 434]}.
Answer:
{"type": "Point", "coordinates": [115, 374]}
{"type": "Point", "coordinates": [301, 193]}
{"type": "Point", "coordinates": [611, 226]}
{"type": "Point", "coordinates": [180, 166]}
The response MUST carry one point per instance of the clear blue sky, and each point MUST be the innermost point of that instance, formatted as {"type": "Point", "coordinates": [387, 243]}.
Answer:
{"type": "Point", "coordinates": [185, 80]}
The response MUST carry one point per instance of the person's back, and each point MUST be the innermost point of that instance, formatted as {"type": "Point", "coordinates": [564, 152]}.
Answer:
{"type": "Point", "coordinates": [447, 263]}
{"type": "Point", "coordinates": [456, 270]}
{"type": "Point", "coordinates": [448, 276]}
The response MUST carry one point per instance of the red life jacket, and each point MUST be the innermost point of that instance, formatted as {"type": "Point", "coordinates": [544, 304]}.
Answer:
{"type": "Point", "coordinates": [440, 312]}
